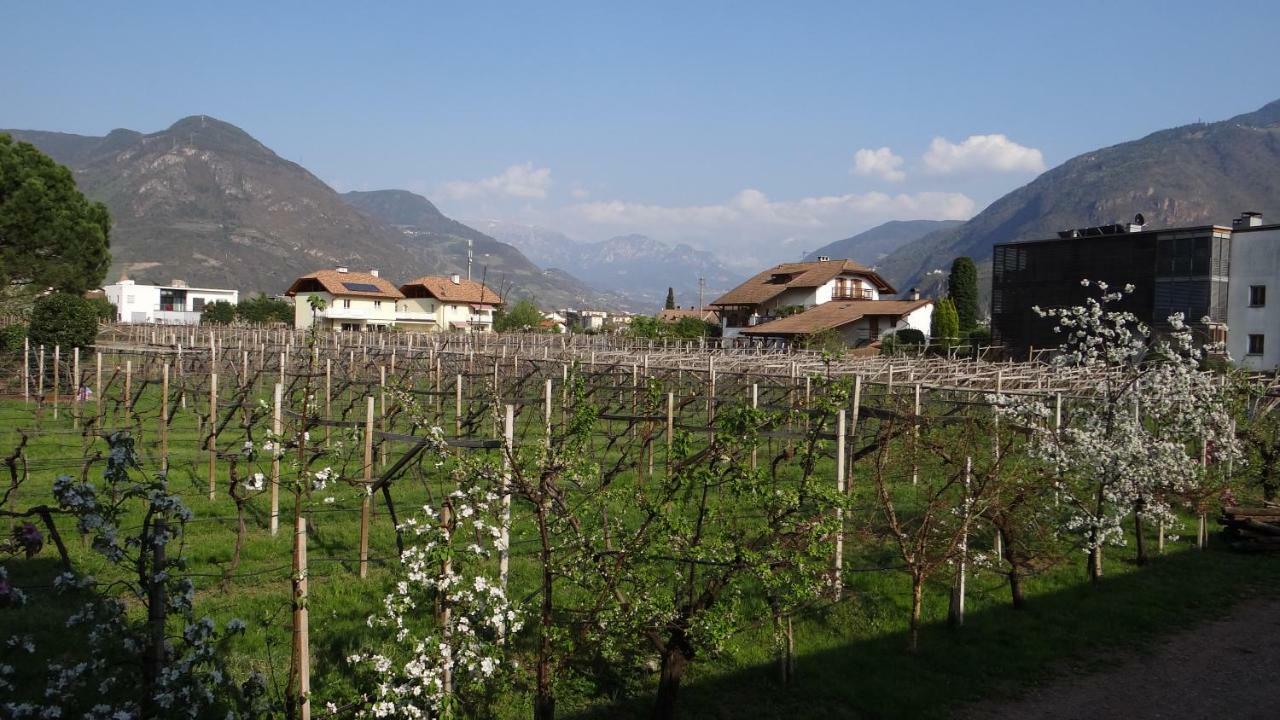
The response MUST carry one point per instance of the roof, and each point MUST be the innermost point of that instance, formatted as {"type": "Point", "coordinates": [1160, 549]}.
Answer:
{"type": "Point", "coordinates": [1123, 235]}
{"type": "Point", "coordinates": [833, 315]}
{"type": "Point", "coordinates": [444, 289]}
{"type": "Point", "coordinates": [348, 284]}
{"type": "Point", "coordinates": [779, 278]}
{"type": "Point", "coordinates": [670, 315]}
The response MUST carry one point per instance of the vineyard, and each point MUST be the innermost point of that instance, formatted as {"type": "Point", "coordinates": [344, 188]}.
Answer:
{"type": "Point", "coordinates": [403, 525]}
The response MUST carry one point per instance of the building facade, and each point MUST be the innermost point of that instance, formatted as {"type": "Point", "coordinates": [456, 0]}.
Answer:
{"type": "Point", "coordinates": [791, 288]}
{"type": "Point", "coordinates": [352, 301]}
{"type": "Point", "coordinates": [172, 304]}
{"type": "Point", "coordinates": [1184, 270]}
{"type": "Point", "coordinates": [1253, 305]}
{"type": "Point", "coordinates": [451, 303]}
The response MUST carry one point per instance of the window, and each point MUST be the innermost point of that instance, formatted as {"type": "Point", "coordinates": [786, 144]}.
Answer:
{"type": "Point", "coordinates": [197, 304]}
{"type": "Point", "coordinates": [377, 303]}
{"type": "Point", "coordinates": [346, 302]}
{"type": "Point", "coordinates": [129, 299]}
{"type": "Point", "coordinates": [1255, 344]}
{"type": "Point", "coordinates": [1257, 295]}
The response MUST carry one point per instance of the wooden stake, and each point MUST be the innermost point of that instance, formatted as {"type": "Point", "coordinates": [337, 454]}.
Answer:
{"type": "Point", "coordinates": [164, 418]}
{"type": "Point", "coordinates": [366, 501]}
{"type": "Point", "coordinates": [301, 629]}
{"type": "Point", "coordinates": [508, 449]}
{"type": "Point", "coordinates": [838, 570]}
{"type": "Point", "coordinates": [57, 362]}
{"type": "Point", "coordinates": [213, 432]}
{"type": "Point", "coordinates": [277, 432]}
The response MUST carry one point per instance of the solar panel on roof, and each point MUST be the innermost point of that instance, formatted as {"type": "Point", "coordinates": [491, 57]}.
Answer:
{"type": "Point", "coordinates": [361, 287]}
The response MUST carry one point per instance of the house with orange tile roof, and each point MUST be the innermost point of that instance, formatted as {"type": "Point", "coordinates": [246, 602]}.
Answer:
{"type": "Point", "coordinates": [353, 301]}
{"type": "Point", "coordinates": [449, 303]}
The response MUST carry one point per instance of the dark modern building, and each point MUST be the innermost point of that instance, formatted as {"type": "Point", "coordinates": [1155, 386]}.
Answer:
{"type": "Point", "coordinates": [1173, 270]}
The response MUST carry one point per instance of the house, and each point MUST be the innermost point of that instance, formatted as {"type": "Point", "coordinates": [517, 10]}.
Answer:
{"type": "Point", "coordinates": [172, 304]}
{"type": "Point", "coordinates": [353, 301]}
{"type": "Point", "coordinates": [434, 302]}
{"type": "Point", "coordinates": [1182, 269]}
{"type": "Point", "coordinates": [1253, 318]}
{"type": "Point", "coordinates": [675, 315]}
{"type": "Point", "coordinates": [790, 288]}
{"type": "Point", "coordinates": [858, 322]}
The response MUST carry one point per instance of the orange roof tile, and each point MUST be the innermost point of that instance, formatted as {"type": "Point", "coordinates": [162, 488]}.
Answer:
{"type": "Point", "coordinates": [350, 284]}
{"type": "Point", "coordinates": [444, 289]}
{"type": "Point", "coordinates": [779, 278]}
{"type": "Point", "coordinates": [833, 315]}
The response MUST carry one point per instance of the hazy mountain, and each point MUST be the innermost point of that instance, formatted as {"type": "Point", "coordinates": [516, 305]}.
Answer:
{"type": "Point", "coordinates": [1194, 174]}
{"type": "Point", "coordinates": [870, 246]}
{"type": "Point", "coordinates": [637, 265]}
{"type": "Point", "coordinates": [441, 242]}
{"type": "Point", "coordinates": [205, 202]}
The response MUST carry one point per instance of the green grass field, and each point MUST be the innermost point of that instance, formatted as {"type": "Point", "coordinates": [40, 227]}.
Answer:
{"type": "Point", "coordinates": [852, 654]}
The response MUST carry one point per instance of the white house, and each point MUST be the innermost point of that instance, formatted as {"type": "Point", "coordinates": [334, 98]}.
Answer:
{"type": "Point", "coordinates": [1253, 294]}
{"type": "Point", "coordinates": [173, 304]}
{"type": "Point", "coordinates": [353, 301]}
{"type": "Point", "coordinates": [435, 302]}
{"type": "Point", "coordinates": [794, 300]}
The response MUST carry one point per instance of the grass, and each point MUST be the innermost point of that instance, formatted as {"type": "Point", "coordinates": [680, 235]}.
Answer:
{"type": "Point", "coordinates": [852, 659]}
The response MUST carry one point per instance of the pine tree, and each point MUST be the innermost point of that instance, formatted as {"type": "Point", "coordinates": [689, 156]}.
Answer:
{"type": "Point", "coordinates": [964, 292]}
{"type": "Point", "coordinates": [671, 299]}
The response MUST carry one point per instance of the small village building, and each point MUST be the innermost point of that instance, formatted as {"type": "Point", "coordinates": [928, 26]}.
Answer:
{"type": "Point", "coordinates": [857, 322]}
{"type": "Point", "coordinates": [675, 315]}
{"type": "Point", "coordinates": [450, 303]}
{"type": "Point", "coordinates": [172, 304]}
{"type": "Point", "coordinates": [791, 288]}
{"type": "Point", "coordinates": [353, 301]}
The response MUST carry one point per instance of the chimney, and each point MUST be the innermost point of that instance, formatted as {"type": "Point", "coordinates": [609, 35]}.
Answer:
{"type": "Point", "coordinates": [342, 269]}
{"type": "Point", "coordinates": [1247, 219]}
{"type": "Point", "coordinates": [915, 293]}
{"type": "Point", "coordinates": [373, 272]}
{"type": "Point", "coordinates": [456, 279]}
{"type": "Point", "coordinates": [823, 258]}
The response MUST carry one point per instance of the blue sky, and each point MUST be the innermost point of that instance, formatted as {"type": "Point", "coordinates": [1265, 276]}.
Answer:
{"type": "Point", "coordinates": [735, 126]}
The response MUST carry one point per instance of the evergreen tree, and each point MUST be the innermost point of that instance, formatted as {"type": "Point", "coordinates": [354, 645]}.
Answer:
{"type": "Point", "coordinates": [671, 299]}
{"type": "Point", "coordinates": [50, 235]}
{"type": "Point", "coordinates": [964, 292]}
{"type": "Point", "coordinates": [944, 327]}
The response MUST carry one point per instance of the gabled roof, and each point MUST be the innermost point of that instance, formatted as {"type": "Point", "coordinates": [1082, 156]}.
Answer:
{"type": "Point", "coordinates": [443, 288]}
{"type": "Point", "coordinates": [833, 315]}
{"type": "Point", "coordinates": [345, 284]}
{"type": "Point", "coordinates": [780, 278]}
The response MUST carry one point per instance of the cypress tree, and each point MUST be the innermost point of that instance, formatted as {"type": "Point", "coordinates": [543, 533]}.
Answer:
{"type": "Point", "coordinates": [671, 299]}
{"type": "Point", "coordinates": [944, 326]}
{"type": "Point", "coordinates": [964, 292]}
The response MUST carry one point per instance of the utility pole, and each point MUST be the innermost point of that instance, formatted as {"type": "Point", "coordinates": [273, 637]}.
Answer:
{"type": "Point", "coordinates": [702, 286]}
{"type": "Point", "coordinates": [469, 255]}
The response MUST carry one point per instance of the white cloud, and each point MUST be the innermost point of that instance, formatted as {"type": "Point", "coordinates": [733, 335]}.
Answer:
{"type": "Point", "coordinates": [879, 163]}
{"type": "Point", "coordinates": [521, 181]}
{"type": "Point", "coordinates": [580, 193]}
{"type": "Point", "coordinates": [981, 152]}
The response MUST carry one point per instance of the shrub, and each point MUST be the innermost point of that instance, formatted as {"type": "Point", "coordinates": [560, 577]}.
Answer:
{"type": "Point", "coordinates": [263, 309]}
{"type": "Point", "coordinates": [905, 340]}
{"type": "Point", "coordinates": [220, 312]}
{"type": "Point", "coordinates": [105, 308]}
{"type": "Point", "coordinates": [11, 337]}
{"type": "Point", "coordinates": [61, 319]}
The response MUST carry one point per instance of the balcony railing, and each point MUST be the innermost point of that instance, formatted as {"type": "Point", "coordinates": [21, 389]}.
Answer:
{"type": "Point", "coordinates": [853, 294]}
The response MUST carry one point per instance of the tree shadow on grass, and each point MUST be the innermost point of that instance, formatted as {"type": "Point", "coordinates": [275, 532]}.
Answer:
{"type": "Point", "coordinates": [999, 652]}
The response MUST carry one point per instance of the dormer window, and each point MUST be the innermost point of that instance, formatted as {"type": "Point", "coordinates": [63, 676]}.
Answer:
{"type": "Point", "coordinates": [780, 278]}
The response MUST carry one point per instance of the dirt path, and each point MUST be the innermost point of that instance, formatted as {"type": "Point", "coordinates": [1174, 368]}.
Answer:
{"type": "Point", "coordinates": [1228, 668]}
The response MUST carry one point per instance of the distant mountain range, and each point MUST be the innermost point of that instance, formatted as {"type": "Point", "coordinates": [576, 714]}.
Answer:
{"type": "Point", "coordinates": [1194, 174]}
{"type": "Point", "coordinates": [871, 246]}
{"type": "Point", "coordinates": [636, 265]}
{"type": "Point", "coordinates": [205, 202]}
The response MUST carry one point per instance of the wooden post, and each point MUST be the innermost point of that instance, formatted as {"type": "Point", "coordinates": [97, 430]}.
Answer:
{"type": "Point", "coordinates": [382, 412]}
{"type": "Point", "coordinates": [26, 370]}
{"type": "Point", "coordinates": [277, 431]}
{"type": "Point", "coordinates": [40, 375]}
{"type": "Point", "coordinates": [328, 398]}
{"type": "Point", "coordinates": [508, 450]}
{"type": "Point", "coordinates": [838, 570]}
{"type": "Point", "coordinates": [366, 501]}
{"type": "Point", "coordinates": [57, 363]}
{"type": "Point", "coordinates": [915, 436]}
{"type": "Point", "coordinates": [301, 630]}
{"type": "Point", "coordinates": [956, 614]}
{"type": "Point", "coordinates": [755, 404]}
{"type": "Point", "coordinates": [853, 420]}
{"type": "Point", "coordinates": [97, 380]}
{"type": "Point", "coordinates": [457, 406]}
{"type": "Point", "coordinates": [128, 389]}
{"type": "Point", "coordinates": [546, 410]}
{"type": "Point", "coordinates": [164, 418]}
{"type": "Point", "coordinates": [671, 425]}
{"type": "Point", "coordinates": [213, 432]}
{"type": "Point", "coordinates": [77, 405]}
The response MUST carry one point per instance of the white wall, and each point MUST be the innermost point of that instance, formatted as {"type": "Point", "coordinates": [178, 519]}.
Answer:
{"type": "Point", "coordinates": [141, 303]}
{"type": "Point", "coordinates": [1255, 260]}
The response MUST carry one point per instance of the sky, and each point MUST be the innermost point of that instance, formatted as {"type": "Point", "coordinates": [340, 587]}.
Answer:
{"type": "Point", "coordinates": [756, 130]}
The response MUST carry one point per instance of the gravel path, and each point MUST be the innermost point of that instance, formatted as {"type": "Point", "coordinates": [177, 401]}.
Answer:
{"type": "Point", "coordinates": [1228, 668]}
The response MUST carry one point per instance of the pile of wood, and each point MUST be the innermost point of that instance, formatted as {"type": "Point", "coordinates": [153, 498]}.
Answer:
{"type": "Point", "coordinates": [1251, 528]}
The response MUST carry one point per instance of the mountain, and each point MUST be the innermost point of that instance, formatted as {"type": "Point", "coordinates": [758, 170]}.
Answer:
{"type": "Point", "coordinates": [441, 243]}
{"type": "Point", "coordinates": [205, 202]}
{"type": "Point", "coordinates": [870, 246]}
{"type": "Point", "coordinates": [1194, 174]}
{"type": "Point", "coordinates": [637, 265]}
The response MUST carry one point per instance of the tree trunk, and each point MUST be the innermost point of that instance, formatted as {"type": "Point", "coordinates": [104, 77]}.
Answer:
{"type": "Point", "coordinates": [1140, 544]}
{"type": "Point", "coordinates": [1095, 564]}
{"type": "Point", "coordinates": [674, 663]}
{"type": "Point", "coordinates": [1014, 572]}
{"type": "Point", "coordinates": [917, 600]}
